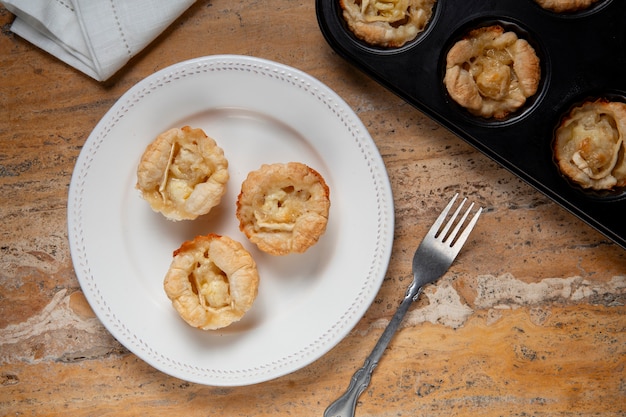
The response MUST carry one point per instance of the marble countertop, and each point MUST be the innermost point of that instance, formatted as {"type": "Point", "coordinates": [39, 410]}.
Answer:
{"type": "Point", "coordinates": [530, 320]}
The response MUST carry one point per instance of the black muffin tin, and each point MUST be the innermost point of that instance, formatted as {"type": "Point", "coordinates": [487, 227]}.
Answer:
{"type": "Point", "coordinates": [583, 57]}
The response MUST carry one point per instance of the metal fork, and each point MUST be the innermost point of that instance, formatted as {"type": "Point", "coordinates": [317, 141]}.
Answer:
{"type": "Point", "coordinates": [431, 260]}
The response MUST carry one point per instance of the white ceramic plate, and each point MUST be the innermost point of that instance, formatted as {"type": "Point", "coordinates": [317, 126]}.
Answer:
{"type": "Point", "coordinates": [259, 112]}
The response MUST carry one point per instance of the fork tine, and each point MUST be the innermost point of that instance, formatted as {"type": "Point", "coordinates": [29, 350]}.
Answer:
{"type": "Point", "coordinates": [461, 240]}
{"type": "Point", "coordinates": [460, 223]}
{"type": "Point", "coordinates": [434, 229]}
{"type": "Point", "coordinates": [444, 233]}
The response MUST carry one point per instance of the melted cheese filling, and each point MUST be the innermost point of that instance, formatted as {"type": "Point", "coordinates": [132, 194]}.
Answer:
{"type": "Point", "coordinates": [384, 10]}
{"type": "Point", "coordinates": [598, 144]}
{"type": "Point", "coordinates": [185, 169]}
{"type": "Point", "coordinates": [492, 69]}
{"type": "Point", "coordinates": [281, 209]}
{"type": "Point", "coordinates": [210, 284]}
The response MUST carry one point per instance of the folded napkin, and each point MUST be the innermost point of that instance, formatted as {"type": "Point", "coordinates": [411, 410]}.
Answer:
{"type": "Point", "coordinates": [97, 37]}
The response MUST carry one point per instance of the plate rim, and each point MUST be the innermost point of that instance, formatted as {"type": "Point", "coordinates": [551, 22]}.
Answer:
{"type": "Point", "coordinates": [384, 228]}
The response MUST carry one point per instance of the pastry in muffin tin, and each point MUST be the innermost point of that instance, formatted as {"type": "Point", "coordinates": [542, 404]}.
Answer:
{"type": "Point", "coordinates": [387, 23]}
{"type": "Point", "coordinates": [565, 6]}
{"type": "Point", "coordinates": [492, 72]}
{"type": "Point", "coordinates": [589, 145]}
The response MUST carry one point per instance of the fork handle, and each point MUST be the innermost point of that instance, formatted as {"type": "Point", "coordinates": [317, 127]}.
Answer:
{"type": "Point", "coordinates": [345, 405]}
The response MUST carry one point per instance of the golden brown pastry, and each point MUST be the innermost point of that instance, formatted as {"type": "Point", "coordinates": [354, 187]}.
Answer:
{"type": "Point", "coordinates": [589, 145]}
{"type": "Point", "coordinates": [564, 6]}
{"type": "Point", "coordinates": [283, 208]}
{"type": "Point", "coordinates": [492, 72]}
{"type": "Point", "coordinates": [182, 174]}
{"type": "Point", "coordinates": [212, 281]}
{"type": "Point", "coordinates": [388, 23]}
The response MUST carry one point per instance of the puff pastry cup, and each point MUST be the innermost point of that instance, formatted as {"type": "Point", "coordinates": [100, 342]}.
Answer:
{"type": "Point", "coordinates": [212, 281]}
{"type": "Point", "coordinates": [589, 145]}
{"type": "Point", "coordinates": [387, 23]}
{"type": "Point", "coordinates": [283, 208]}
{"type": "Point", "coordinates": [492, 72]}
{"type": "Point", "coordinates": [182, 173]}
{"type": "Point", "coordinates": [565, 6]}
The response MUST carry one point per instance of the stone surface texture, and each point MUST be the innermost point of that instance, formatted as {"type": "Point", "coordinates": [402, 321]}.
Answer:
{"type": "Point", "coordinates": [531, 321]}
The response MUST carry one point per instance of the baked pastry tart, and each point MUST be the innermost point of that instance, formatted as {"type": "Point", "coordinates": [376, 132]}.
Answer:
{"type": "Point", "coordinates": [565, 6]}
{"type": "Point", "coordinates": [492, 72]}
{"type": "Point", "coordinates": [387, 23]}
{"type": "Point", "coordinates": [212, 281]}
{"type": "Point", "coordinates": [589, 145]}
{"type": "Point", "coordinates": [283, 208]}
{"type": "Point", "coordinates": [182, 174]}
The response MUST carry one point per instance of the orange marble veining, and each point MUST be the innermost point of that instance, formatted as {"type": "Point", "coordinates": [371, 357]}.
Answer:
{"type": "Point", "coordinates": [530, 320]}
{"type": "Point", "coordinates": [504, 368]}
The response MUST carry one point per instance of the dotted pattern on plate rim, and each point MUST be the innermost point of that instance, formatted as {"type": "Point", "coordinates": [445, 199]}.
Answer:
{"type": "Point", "coordinates": [195, 68]}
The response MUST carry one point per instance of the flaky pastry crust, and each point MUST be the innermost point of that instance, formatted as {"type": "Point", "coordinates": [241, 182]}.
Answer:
{"type": "Point", "coordinates": [212, 281]}
{"type": "Point", "coordinates": [387, 23]}
{"type": "Point", "coordinates": [589, 145]}
{"type": "Point", "coordinates": [492, 72]}
{"type": "Point", "coordinates": [182, 174]}
{"type": "Point", "coordinates": [283, 208]}
{"type": "Point", "coordinates": [565, 6]}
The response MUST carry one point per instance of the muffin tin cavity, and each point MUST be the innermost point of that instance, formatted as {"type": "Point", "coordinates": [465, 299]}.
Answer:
{"type": "Point", "coordinates": [605, 96]}
{"type": "Point", "coordinates": [372, 48]}
{"type": "Point", "coordinates": [582, 55]}
{"type": "Point", "coordinates": [521, 32]}
{"type": "Point", "coordinates": [581, 11]}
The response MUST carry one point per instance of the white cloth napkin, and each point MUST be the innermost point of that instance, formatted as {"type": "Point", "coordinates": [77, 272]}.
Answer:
{"type": "Point", "coordinates": [97, 37]}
